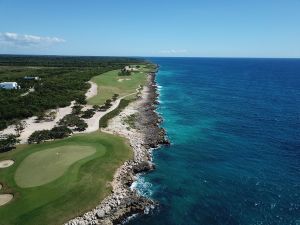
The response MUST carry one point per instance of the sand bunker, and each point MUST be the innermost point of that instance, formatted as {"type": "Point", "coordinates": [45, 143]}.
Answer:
{"type": "Point", "coordinates": [122, 79]}
{"type": "Point", "coordinates": [5, 198]}
{"type": "Point", "coordinates": [92, 91]}
{"type": "Point", "coordinates": [6, 163]}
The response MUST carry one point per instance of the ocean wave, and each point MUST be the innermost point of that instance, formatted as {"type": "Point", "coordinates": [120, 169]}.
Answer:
{"type": "Point", "coordinates": [159, 87]}
{"type": "Point", "coordinates": [142, 187]}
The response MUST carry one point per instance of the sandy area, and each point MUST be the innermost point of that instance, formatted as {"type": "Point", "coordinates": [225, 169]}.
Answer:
{"type": "Point", "coordinates": [6, 163]}
{"type": "Point", "coordinates": [117, 126]}
{"type": "Point", "coordinates": [92, 91]}
{"type": "Point", "coordinates": [122, 79]}
{"type": "Point", "coordinates": [32, 125]}
{"type": "Point", "coordinates": [5, 198]}
{"type": "Point", "coordinates": [93, 123]}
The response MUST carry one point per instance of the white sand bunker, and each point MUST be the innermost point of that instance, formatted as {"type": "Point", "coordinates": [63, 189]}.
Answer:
{"type": "Point", "coordinates": [6, 163]}
{"type": "Point", "coordinates": [122, 79]}
{"type": "Point", "coordinates": [5, 198]}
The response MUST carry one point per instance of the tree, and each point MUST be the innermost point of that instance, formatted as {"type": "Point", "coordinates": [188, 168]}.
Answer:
{"type": "Point", "coordinates": [115, 96]}
{"type": "Point", "coordinates": [89, 113]}
{"type": "Point", "coordinates": [81, 126]}
{"type": "Point", "coordinates": [108, 103]}
{"type": "Point", "coordinates": [74, 122]}
{"type": "Point", "coordinates": [76, 109]}
{"type": "Point", "coordinates": [81, 99]}
{"type": "Point", "coordinates": [8, 142]}
{"type": "Point", "coordinates": [96, 107]}
{"type": "Point", "coordinates": [39, 136]}
{"type": "Point", "coordinates": [60, 132]}
{"type": "Point", "coordinates": [19, 127]}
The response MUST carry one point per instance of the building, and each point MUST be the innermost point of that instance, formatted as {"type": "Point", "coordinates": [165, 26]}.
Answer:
{"type": "Point", "coordinates": [9, 85]}
{"type": "Point", "coordinates": [130, 69]}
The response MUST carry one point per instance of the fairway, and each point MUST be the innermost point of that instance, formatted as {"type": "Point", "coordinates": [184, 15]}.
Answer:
{"type": "Point", "coordinates": [55, 181]}
{"type": "Point", "coordinates": [49, 164]}
{"type": "Point", "coordinates": [111, 83]}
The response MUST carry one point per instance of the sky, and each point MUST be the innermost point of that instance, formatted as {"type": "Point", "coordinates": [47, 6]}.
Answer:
{"type": "Point", "coordinates": [171, 28]}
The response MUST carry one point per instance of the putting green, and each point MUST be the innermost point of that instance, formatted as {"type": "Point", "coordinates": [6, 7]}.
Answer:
{"type": "Point", "coordinates": [47, 165]}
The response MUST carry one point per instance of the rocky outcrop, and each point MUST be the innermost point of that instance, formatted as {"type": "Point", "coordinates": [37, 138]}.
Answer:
{"type": "Point", "coordinates": [149, 120]}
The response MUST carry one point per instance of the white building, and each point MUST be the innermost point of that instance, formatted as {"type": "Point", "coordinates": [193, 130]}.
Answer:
{"type": "Point", "coordinates": [9, 85]}
{"type": "Point", "coordinates": [130, 69]}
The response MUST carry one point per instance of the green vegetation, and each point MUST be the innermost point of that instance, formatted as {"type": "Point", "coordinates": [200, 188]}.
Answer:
{"type": "Point", "coordinates": [55, 181]}
{"type": "Point", "coordinates": [44, 135]}
{"type": "Point", "coordinates": [122, 105]}
{"type": "Point", "coordinates": [53, 161]}
{"type": "Point", "coordinates": [74, 184]}
{"type": "Point", "coordinates": [63, 79]}
{"type": "Point", "coordinates": [8, 142]}
{"type": "Point", "coordinates": [130, 120]}
{"type": "Point", "coordinates": [89, 113]}
{"type": "Point", "coordinates": [74, 122]}
{"type": "Point", "coordinates": [111, 83]}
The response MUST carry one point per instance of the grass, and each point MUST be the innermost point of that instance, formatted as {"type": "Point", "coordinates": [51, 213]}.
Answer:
{"type": "Point", "coordinates": [78, 184]}
{"type": "Point", "coordinates": [53, 162]}
{"type": "Point", "coordinates": [111, 83]}
{"type": "Point", "coordinates": [122, 105]}
{"type": "Point", "coordinates": [130, 121]}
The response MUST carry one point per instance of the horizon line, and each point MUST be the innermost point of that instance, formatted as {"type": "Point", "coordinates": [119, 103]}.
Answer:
{"type": "Point", "coordinates": [128, 56]}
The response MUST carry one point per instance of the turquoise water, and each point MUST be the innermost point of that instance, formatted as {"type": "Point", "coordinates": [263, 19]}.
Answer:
{"type": "Point", "coordinates": [234, 125]}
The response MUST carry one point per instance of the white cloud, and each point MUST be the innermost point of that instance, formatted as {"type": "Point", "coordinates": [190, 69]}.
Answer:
{"type": "Point", "coordinates": [173, 51]}
{"type": "Point", "coordinates": [27, 40]}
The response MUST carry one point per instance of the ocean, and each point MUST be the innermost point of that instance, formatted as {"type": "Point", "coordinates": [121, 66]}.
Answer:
{"type": "Point", "coordinates": [234, 125]}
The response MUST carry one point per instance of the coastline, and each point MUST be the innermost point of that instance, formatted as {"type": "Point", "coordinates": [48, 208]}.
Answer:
{"type": "Point", "coordinates": [146, 135]}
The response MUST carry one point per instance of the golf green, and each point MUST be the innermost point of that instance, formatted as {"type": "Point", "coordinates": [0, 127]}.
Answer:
{"type": "Point", "coordinates": [45, 166]}
{"type": "Point", "coordinates": [58, 180]}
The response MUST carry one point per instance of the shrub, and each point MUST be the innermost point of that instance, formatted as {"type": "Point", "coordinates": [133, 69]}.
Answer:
{"type": "Point", "coordinates": [81, 100]}
{"type": "Point", "coordinates": [88, 114]}
{"type": "Point", "coordinates": [39, 136]}
{"type": "Point", "coordinates": [80, 126]}
{"type": "Point", "coordinates": [115, 96]}
{"type": "Point", "coordinates": [104, 120]}
{"type": "Point", "coordinates": [8, 142]}
{"type": "Point", "coordinates": [96, 107]}
{"type": "Point", "coordinates": [60, 132]}
{"type": "Point", "coordinates": [107, 103]}
{"type": "Point", "coordinates": [76, 109]}
{"type": "Point", "coordinates": [74, 122]}
{"type": "Point", "coordinates": [124, 73]}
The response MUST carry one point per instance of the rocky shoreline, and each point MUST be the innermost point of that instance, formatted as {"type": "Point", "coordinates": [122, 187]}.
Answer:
{"type": "Point", "coordinates": [146, 135]}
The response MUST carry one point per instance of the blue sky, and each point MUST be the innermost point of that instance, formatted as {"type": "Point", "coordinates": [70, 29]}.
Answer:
{"type": "Point", "coordinates": [212, 28]}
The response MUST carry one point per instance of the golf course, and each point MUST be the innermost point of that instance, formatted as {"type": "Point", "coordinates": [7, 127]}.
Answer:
{"type": "Point", "coordinates": [111, 83]}
{"type": "Point", "coordinates": [56, 181]}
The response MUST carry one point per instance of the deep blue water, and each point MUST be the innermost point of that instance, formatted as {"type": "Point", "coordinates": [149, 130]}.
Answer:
{"type": "Point", "coordinates": [234, 125]}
